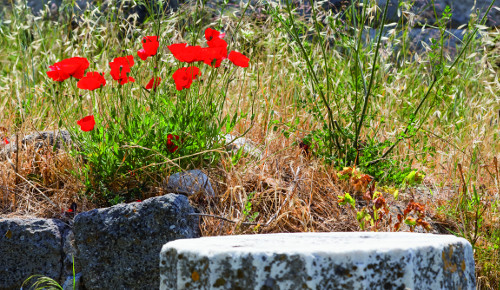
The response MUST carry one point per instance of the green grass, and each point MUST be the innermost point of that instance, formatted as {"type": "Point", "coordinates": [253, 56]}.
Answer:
{"type": "Point", "coordinates": [386, 111]}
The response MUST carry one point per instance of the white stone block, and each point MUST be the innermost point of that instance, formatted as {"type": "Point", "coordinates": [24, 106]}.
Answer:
{"type": "Point", "coordinates": [359, 260]}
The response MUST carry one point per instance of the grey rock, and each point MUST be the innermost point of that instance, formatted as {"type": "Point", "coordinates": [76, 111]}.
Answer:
{"type": "Point", "coordinates": [70, 254]}
{"type": "Point", "coordinates": [461, 11]}
{"type": "Point", "coordinates": [236, 143]}
{"type": "Point", "coordinates": [118, 246]}
{"type": "Point", "coordinates": [335, 5]}
{"type": "Point", "coordinates": [362, 260]}
{"type": "Point", "coordinates": [190, 182]}
{"type": "Point", "coordinates": [48, 137]}
{"type": "Point", "coordinates": [420, 40]}
{"type": "Point", "coordinates": [30, 247]}
{"type": "Point", "coordinates": [108, 7]}
{"type": "Point", "coordinates": [56, 138]}
{"type": "Point", "coordinates": [68, 284]}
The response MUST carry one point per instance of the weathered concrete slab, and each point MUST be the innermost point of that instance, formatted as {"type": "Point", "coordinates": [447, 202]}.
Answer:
{"type": "Point", "coordinates": [29, 247]}
{"type": "Point", "coordinates": [118, 246]}
{"type": "Point", "coordinates": [319, 261]}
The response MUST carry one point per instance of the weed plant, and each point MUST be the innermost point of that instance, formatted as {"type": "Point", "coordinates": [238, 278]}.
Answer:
{"type": "Point", "coordinates": [350, 121]}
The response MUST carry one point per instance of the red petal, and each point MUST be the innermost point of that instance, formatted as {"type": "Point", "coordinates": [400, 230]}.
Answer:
{"type": "Point", "coordinates": [171, 145]}
{"type": "Point", "coordinates": [185, 53]}
{"type": "Point", "coordinates": [213, 56]}
{"type": "Point", "coordinates": [184, 76]}
{"type": "Point", "coordinates": [142, 54]}
{"type": "Point", "coordinates": [57, 75]}
{"type": "Point", "coordinates": [211, 34]}
{"type": "Point", "coordinates": [130, 60]}
{"type": "Point", "coordinates": [92, 81]}
{"type": "Point", "coordinates": [120, 67]}
{"type": "Point", "coordinates": [87, 123]}
{"type": "Point", "coordinates": [193, 72]}
{"type": "Point", "coordinates": [74, 66]}
{"type": "Point", "coordinates": [217, 42]}
{"type": "Point", "coordinates": [238, 59]}
{"type": "Point", "coordinates": [150, 45]}
{"type": "Point", "coordinates": [156, 83]}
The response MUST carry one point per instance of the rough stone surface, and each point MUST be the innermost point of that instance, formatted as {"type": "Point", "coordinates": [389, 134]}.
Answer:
{"type": "Point", "coordinates": [77, 281]}
{"type": "Point", "coordinates": [461, 11]}
{"type": "Point", "coordinates": [29, 247]}
{"type": "Point", "coordinates": [190, 182]}
{"type": "Point", "coordinates": [422, 9]}
{"type": "Point", "coordinates": [420, 40]}
{"type": "Point", "coordinates": [108, 7]}
{"type": "Point", "coordinates": [319, 261]}
{"type": "Point", "coordinates": [70, 252]}
{"type": "Point", "coordinates": [118, 246]}
{"type": "Point", "coordinates": [235, 143]}
{"type": "Point", "coordinates": [38, 140]}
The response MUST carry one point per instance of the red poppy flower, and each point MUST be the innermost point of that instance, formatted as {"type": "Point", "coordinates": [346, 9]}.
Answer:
{"type": "Point", "coordinates": [170, 144]}
{"type": "Point", "coordinates": [5, 141]}
{"type": "Point", "coordinates": [149, 47]}
{"type": "Point", "coordinates": [153, 83]}
{"type": "Point", "coordinates": [215, 52]}
{"type": "Point", "coordinates": [213, 56]}
{"type": "Point", "coordinates": [212, 33]}
{"type": "Point", "coordinates": [70, 67]}
{"type": "Point", "coordinates": [185, 53]}
{"type": "Point", "coordinates": [87, 123]}
{"type": "Point", "coordinates": [238, 59]}
{"type": "Point", "coordinates": [92, 81]}
{"type": "Point", "coordinates": [184, 77]}
{"type": "Point", "coordinates": [120, 67]}
{"type": "Point", "coordinates": [217, 42]}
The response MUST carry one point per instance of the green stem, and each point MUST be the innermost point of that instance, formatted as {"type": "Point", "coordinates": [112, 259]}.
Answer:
{"type": "Point", "coordinates": [293, 33]}
{"type": "Point", "coordinates": [372, 78]}
{"type": "Point", "coordinates": [412, 118]}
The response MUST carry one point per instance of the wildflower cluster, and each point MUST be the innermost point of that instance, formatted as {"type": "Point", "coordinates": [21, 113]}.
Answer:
{"type": "Point", "coordinates": [120, 69]}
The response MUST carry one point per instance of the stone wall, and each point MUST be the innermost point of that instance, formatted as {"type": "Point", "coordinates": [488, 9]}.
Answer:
{"type": "Point", "coordinates": [113, 248]}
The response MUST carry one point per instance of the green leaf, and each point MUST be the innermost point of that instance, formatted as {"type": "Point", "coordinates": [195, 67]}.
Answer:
{"type": "Point", "coordinates": [410, 221]}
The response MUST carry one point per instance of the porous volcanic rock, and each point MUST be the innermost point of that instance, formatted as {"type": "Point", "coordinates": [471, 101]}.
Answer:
{"type": "Point", "coordinates": [30, 247]}
{"type": "Point", "coordinates": [118, 246]}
